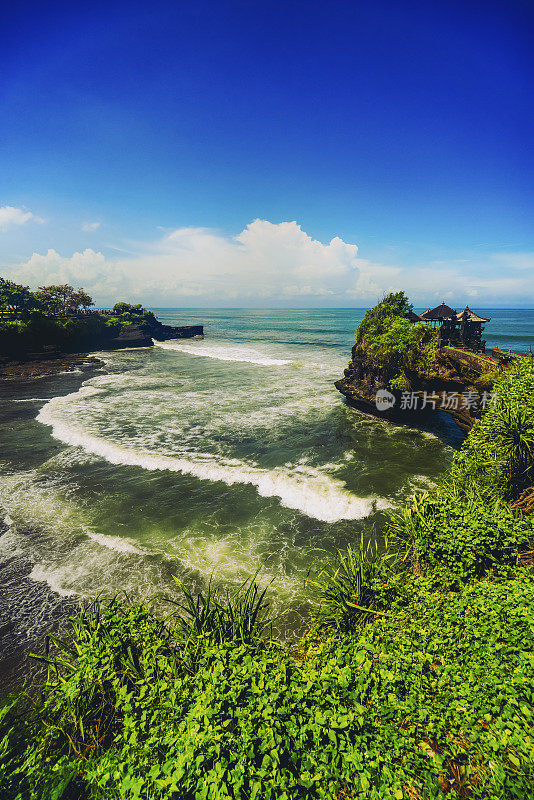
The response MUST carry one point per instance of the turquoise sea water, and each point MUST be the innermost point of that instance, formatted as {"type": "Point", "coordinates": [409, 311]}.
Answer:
{"type": "Point", "coordinates": [198, 459]}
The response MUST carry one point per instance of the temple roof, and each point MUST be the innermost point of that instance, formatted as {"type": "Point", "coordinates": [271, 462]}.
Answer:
{"type": "Point", "coordinates": [439, 313]}
{"type": "Point", "coordinates": [471, 316]}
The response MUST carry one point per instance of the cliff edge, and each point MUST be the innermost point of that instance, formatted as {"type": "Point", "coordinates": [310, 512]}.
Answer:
{"type": "Point", "coordinates": [400, 370]}
{"type": "Point", "coordinates": [462, 380]}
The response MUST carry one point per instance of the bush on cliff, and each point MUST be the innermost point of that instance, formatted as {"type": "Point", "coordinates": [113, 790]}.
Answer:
{"type": "Point", "coordinates": [129, 314]}
{"type": "Point", "coordinates": [69, 333]}
{"type": "Point", "coordinates": [498, 455]}
{"type": "Point", "coordinates": [459, 536]}
{"type": "Point", "coordinates": [388, 336]}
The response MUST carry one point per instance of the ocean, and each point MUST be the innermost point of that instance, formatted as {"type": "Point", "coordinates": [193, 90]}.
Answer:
{"type": "Point", "coordinates": [201, 459]}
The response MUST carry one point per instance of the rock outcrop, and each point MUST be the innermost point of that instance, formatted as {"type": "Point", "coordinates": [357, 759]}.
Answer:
{"type": "Point", "coordinates": [43, 352]}
{"type": "Point", "coordinates": [164, 332]}
{"type": "Point", "coordinates": [142, 335]}
{"type": "Point", "coordinates": [457, 374]}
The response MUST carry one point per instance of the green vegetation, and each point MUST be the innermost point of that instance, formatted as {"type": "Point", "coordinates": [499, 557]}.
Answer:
{"type": "Point", "coordinates": [62, 299]}
{"type": "Point", "coordinates": [16, 298]}
{"type": "Point", "coordinates": [126, 314]}
{"type": "Point", "coordinates": [466, 528]}
{"type": "Point", "coordinates": [58, 316]}
{"type": "Point", "coordinates": [388, 336]}
{"type": "Point", "coordinates": [435, 697]}
{"type": "Point", "coordinates": [415, 679]}
{"type": "Point", "coordinates": [68, 333]}
{"type": "Point", "coordinates": [356, 585]}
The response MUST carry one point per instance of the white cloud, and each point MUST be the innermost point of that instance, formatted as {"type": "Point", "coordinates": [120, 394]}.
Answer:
{"type": "Point", "coordinates": [267, 264]}
{"type": "Point", "coordinates": [9, 215]}
{"type": "Point", "coordinates": [90, 226]}
{"type": "Point", "coordinates": [88, 269]}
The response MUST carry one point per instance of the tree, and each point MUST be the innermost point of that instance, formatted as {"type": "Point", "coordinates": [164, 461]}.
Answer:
{"type": "Point", "coordinates": [379, 318]}
{"type": "Point", "coordinates": [14, 297]}
{"type": "Point", "coordinates": [127, 308]}
{"type": "Point", "coordinates": [389, 338]}
{"type": "Point", "coordinates": [63, 299]}
{"type": "Point", "coordinates": [81, 299]}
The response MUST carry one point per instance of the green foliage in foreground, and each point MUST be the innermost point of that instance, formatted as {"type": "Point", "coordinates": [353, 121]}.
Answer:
{"type": "Point", "coordinates": [390, 339]}
{"type": "Point", "coordinates": [465, 528]}
{"type": "Point", "coordinates": [498, 455]}
{"type": "Point", "coordinates": [433, 696]}
{"type": "Point", "coordinates": [356, 585]}
{"type": "Point", "coordinates": [461, 536]}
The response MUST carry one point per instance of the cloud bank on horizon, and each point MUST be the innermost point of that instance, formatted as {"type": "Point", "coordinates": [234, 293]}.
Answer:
{"type": "Point", "coordinates": [267, 264]}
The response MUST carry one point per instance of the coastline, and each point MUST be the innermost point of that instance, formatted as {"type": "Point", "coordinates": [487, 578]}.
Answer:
{"type": "Point", "coordinates": [41, 366]}
{"type": "Point", "coordinates": [22, 597]}
{"type": "Point", "coordinates": [37, 352]}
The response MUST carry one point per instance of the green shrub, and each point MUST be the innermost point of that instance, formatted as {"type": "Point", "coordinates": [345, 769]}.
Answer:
{"type": "Point", "coordinates": [461, 537]}
{"type": "Point", "coordinates": [129, 314]}
{"type": "Point", "coordinates": [69, 333]}
{"type": "Point", "coordinates": [465, 528]}
{"type": "Point", "coordinates": [391, 339]}
{"type": "Point", "coordinates": [242, 616]}
{"type": "Point", "coordinates": [433, 698]}
{"type": "Point", "coordinates": [355, 585]}
{"type": "Point", "coordinates": [498, 454]}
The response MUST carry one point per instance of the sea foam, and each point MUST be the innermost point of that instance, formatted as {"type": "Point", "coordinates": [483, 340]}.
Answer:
{"type": "Point", "coordinates": [223, 353]}
{"type": "Point", "coordinates": [118, 543]}
{"type": "Point", "coordinates": [298, 487]}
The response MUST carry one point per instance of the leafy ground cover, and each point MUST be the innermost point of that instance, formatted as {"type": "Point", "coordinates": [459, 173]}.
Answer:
{"type": "Point", "coordinates": [465, 528]}
{"type": "Point", "coordinates": [415, 679]}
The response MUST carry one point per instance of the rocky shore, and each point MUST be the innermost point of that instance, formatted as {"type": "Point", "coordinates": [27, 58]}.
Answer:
{"type": "Point", "coordinates": [457, 372]}
{"type": "Point", "coordinates": [142, 335]}
{"type": "Point", "coordinates": [50, 359]}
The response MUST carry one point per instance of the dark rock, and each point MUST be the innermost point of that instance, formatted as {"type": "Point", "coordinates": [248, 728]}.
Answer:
{"type": "Point", "coordinates": [164, 332]}
{"type": "Point", "coordinates": [50, 358]}
{"type": "Point", "coordinates": [456, 372]}
{"type": "Point", "coordinates": [142, 335]}
{"type": "Point", "coordinates": [129, 336]}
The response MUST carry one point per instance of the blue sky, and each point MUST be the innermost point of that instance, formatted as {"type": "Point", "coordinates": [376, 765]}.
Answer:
{"type": "Point", "coordinates": [298, 153]}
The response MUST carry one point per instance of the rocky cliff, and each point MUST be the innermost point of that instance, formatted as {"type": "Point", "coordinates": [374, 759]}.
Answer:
{"type": "Point", "coordinates": [465, 378]}
{"type": "Point", "coordinates": [142, 335]}
{"type": "Point", "coordinates": [44, 348]}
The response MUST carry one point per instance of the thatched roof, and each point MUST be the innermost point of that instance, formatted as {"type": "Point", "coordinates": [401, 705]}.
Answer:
{"type": "Point", "coordinates": [439, 313]}
{"type": "Point", "coordinates": [471, 316]}
{"type": "Point", "coordinates": [413, 317]}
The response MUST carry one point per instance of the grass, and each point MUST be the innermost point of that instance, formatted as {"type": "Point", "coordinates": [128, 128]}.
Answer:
{"type": "Point", "coordinates": [241, 617]}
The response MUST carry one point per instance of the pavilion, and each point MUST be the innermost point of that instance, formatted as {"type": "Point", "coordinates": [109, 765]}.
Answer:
{"type": "Point", "coordinates": [471, 327]}
{"type": "Point", "coordinates": [463, 329]}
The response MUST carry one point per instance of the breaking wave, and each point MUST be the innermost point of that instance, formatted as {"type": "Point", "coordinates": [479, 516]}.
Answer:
{"type": "Point", "coordinates": [223, 353]}
{"type": "Point", "coordinates": [298, 487]}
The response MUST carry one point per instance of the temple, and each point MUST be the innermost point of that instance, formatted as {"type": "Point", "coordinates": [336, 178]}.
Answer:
{"type": "Point", "coordinates": [460, 330]}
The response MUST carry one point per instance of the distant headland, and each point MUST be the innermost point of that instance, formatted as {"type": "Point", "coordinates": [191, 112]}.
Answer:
{"type": "Point", "coordinates": [56, 327]}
